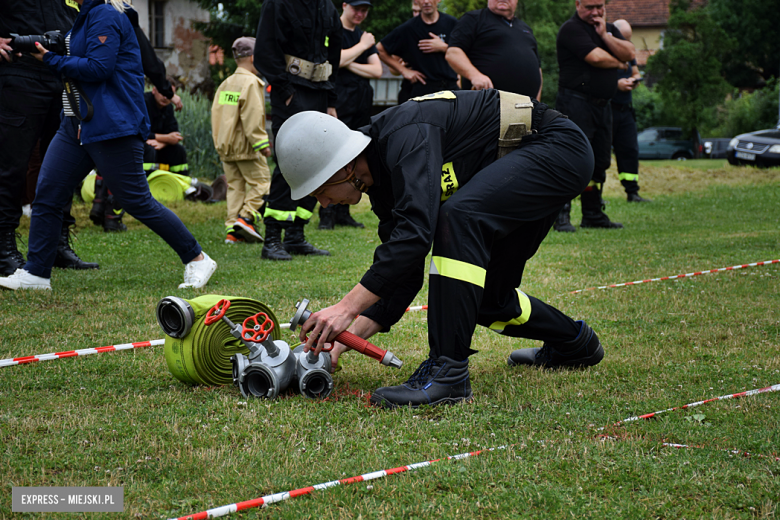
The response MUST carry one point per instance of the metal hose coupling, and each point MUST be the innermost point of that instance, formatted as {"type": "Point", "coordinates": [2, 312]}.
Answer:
{"type": "Point", "coordinates": [354, 342]}
{"type": "Point", "coordinates": [314, 379]}
{"type": "Point", "coordinates": [175, 316]}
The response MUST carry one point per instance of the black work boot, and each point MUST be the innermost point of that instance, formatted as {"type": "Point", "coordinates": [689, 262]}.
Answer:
{"type": "Point", "coordinates": [635, 197]}
{"type": "Point", "coordinates": [295, 242]}
{"type": "Point", "coordinates": [98, 210]}
{"type": "Point", "coordinates": [272, 248]}
{"type": "Point", "coordinates": [563, 222]}
{"type": "Point", "coordinates": [112, 218]}
{"type": "Point", "coordinates": [10, 257]}
{"type": "Point", "coordinates": [583, 351]}
{"type": "Point", "coordinates": [66, 257]}
{"type": "Point", "coordinates": [593, 215]}
{"type": "Point", "coordinates": [436, 381]}
{"type": "Point", "coordinates": [343, 218]}
{"type": "Point", "coordinates": [326, 218]}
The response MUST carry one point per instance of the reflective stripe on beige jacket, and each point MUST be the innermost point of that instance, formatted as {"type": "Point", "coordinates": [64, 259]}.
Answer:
{"type": "Point", "coordinates": [238, 117]}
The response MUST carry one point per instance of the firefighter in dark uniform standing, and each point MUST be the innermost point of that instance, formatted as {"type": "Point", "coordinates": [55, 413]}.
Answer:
{"type": "Point", "coordinates": [438, 175]}
{"type": "Point", "coordinates": [590, 52]}
{"type": "Point", "coordinates": [297, 49]}
{"type": "Point", "coordinates": [624, 136]}
{"type": "Point", "coordinates": [359, 63]}
{"type": "Point", "coordinates": [30, 106]}
{"type": "Point", "coordinates": [422, 43]}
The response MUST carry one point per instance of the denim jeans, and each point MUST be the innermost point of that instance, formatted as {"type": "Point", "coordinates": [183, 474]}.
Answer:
{"type": "Point", "coordinates": [120, 162]}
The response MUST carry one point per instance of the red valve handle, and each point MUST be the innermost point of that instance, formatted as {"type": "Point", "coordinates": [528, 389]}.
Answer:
{"type": "Point", "coordinates": [257, 333]}
{"type": "Point", "coordinates": [217, 312]}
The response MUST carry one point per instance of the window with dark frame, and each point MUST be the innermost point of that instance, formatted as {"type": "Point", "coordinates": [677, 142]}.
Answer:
{"type": "Point", "coordinates": [157, 23]}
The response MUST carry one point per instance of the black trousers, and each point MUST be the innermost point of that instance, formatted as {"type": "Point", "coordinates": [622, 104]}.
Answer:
{"type": "Point", "coordinates": [625, 145]}
{"type": "Point", "coordinates": [279, 206]}
{"type": "Point", "coordinates": [596, 123]}
{"type": "Point", "coordinates": [486, 233]}
{"type": "Point", "coordinates": [30, 106]}
{"type": "Point", "coordinates": [175, 156]}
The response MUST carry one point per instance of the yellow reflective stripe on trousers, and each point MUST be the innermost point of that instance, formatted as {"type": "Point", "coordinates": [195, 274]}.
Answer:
{"type": "Point", "coordinates": [594, 183]}
{"type": "Point", "coordinates": [525, 313]}
{"type": "Point", "coordinates": [628, 176]}
{"type": "Point", "coordinates": [458, 270]}
{"type": "Point", "coordinates": [303, 213]}
{"type": "Point", "coordinates": [281, 216]}
{"type": "Point", "coordinates": [180, 168]}
{"type": "Point", "coordinates": [449, 182]}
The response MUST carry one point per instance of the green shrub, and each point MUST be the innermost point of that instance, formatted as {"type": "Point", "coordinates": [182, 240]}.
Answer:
{"type": "Point", "coordinates": [749, 111]}
{"type": "Point", "coordinates": [195, 126]}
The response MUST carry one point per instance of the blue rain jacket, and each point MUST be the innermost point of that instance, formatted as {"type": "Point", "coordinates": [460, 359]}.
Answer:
{"type": "Point", "coordinates": [105, 59]}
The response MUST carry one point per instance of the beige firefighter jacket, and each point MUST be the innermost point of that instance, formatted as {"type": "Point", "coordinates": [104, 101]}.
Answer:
{"type": "Point", "coordinates": [238, 117]}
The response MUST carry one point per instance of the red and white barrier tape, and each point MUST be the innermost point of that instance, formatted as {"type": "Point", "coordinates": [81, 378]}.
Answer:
{"type": "Point", "coordinates": [74, 353]}
{"type": "Point", "coordinates": [773, 388]}
{"type": "Point", "coordinates": [279, 497]}
{"type": "Point", "coordinates": [687, 275]}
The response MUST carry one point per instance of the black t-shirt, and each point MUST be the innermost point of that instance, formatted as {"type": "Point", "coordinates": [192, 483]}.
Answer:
{"type": "Point", "coordinates": [350, 87]}
{"type": "Point", "coordinates": [403, 40]}
{"type": "Point", "coordinates": [162, 120]}
{"type": "Point", "coordinates": [576, 39]}
{"type": "Point", "coordinates": [503, 50]}
{"type": "Point", "coordinates": [620, 96]}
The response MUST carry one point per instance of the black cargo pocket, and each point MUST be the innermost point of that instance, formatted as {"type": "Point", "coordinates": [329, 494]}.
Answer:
{"type": "Point", "coordinates": [10, 119]}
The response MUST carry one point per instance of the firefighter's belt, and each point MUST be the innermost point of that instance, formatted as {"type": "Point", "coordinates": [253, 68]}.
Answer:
{"type": "Point", "coordinates": [315, 72]}
{"type": "Point", "coordinates": [516, 113]}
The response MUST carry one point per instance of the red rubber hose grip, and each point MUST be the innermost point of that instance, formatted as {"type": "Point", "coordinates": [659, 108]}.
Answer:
{"type": "Point", "coordinates": [361, 345]}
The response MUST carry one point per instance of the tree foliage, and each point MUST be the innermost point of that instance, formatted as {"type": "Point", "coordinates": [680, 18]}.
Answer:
{"type": "Point", "coordinates": [754, 57]}
{"type": "Point", "coordinates": [688, 68]}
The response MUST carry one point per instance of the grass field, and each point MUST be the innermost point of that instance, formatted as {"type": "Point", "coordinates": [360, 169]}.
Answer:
{"type": "Point", "coordinates": [121, 419]}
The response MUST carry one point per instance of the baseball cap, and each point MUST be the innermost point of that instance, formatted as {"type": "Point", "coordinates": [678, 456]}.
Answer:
{"type": "Point", "coordinates": [356, 3]}
{"type": "Point", "coordinates": [244, 47]}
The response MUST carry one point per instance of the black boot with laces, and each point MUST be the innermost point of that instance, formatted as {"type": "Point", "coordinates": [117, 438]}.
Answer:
{"type": "Point", "coordinates": [436, 381]}
{"type": "Point", "coordinates": [10, 257]}
{"type": "Point", "coordinates": [583, 351]}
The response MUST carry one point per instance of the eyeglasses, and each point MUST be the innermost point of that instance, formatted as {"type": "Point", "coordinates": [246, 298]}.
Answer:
{"type": "Point", "coordinates": [319, 191]}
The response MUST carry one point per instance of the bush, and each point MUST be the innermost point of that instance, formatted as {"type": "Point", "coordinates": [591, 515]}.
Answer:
{"type": "Point", "coordinates": [749, 111]}
{"type": "Point", "coordinates": [195, 126]}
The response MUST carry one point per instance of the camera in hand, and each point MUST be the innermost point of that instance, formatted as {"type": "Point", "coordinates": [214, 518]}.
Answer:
{"type": "Point", "coordinates": [53, 41]}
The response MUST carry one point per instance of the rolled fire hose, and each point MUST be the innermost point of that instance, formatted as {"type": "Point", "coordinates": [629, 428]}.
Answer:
{"type": "Point", "coordinates": [88, 187]}
{"type": "Point", "coordinates": [167, 186]}
{"type": "Point", "coordinates": [197, 354]}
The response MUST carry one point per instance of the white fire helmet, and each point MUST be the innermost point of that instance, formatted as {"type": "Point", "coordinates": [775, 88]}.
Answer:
{"type": "Point", "coordinates": [311, 147]}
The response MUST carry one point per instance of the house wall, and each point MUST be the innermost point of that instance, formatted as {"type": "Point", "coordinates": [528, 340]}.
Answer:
{"type": "Point", "coordinates": [186, 50]}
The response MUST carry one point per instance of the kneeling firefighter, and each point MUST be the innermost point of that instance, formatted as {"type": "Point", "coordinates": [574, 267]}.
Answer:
{"type": "Point", "coordinates": [478, 175]}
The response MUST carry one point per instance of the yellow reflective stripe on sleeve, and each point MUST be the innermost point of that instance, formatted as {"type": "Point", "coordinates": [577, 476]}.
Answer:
{"type": "Point", "coordinates": [449, 182]}
{"type": "Point", "coordinates": [228, 98]}
{"type": "Point", "coordinates": [303, 213]}
{"type": "Point", "coordinates": [525, 313]}
{"type": "Point", "coordinates": [628, 176]}
{"type": "Point", "coordinates": [458, 270]}
{"type": "Point", "coordinates": [444, 94]}
{"type": "Point", "coordinates": [261, 144]}
{"type": "Point", "coordinates": [281, 216]}
{"type": "Point", "coordinates": [74, 4]}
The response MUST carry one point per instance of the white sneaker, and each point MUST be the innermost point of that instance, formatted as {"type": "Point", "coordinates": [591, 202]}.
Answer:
{"type": "Point", "coordinates": [21, 279]}
{"type": "Point", "coordinates": [197, 274]}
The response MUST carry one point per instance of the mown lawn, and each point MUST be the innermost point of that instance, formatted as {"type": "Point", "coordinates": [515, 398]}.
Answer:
{"type": "Point", "coordinates": [121, 419]}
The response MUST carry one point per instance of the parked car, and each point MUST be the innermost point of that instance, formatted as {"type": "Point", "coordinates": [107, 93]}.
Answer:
{"type": "Point", "coordinates": [665, 142]}
{"type": "Point", "coordinates": [761, 148]}
{"type": "Point", "coordinates": [716, 147]}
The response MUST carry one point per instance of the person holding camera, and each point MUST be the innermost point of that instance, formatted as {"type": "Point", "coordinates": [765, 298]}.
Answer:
{"type": "Point", "coordinates": [624, 137]}
{"type": "Point", "coordinates": [30, 106]}
{"type": "Point", "coordinates": [104, 126]}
